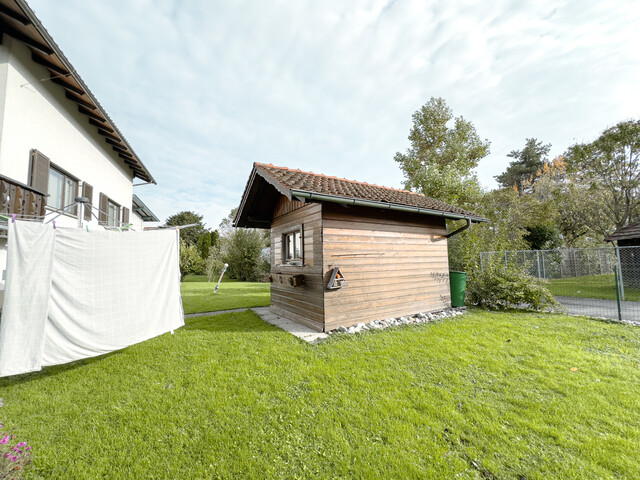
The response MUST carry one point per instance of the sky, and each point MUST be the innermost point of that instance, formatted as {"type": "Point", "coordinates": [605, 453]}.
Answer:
{"type": "Point", "coordinates": [201, 89]}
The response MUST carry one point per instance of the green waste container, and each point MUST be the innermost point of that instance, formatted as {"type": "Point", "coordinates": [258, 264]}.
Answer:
{"type": "Point", "coordinates": [458, 282]}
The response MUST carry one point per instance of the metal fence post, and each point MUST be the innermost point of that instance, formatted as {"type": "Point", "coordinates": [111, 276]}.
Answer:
{"type": "Point", "coordinates": [615, 274]}
{"type": "Point", "coordinates": [544, 272]}
{"type": "Point", "coordinates": [538, 259]}
{"type": "Point", "coordinates": [620, 281]}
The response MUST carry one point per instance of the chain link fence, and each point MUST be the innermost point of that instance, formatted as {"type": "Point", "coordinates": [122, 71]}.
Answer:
{"type": "Point", "coordinates": [596, 282]}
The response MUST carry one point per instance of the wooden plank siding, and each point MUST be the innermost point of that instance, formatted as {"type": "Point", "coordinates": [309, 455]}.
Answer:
{"type": "Point", "coordinates": [396, 264]}
{"type": "Point", "coordinates": [303, 304]}
{"type": "Point", "coordinates": [285, 206]}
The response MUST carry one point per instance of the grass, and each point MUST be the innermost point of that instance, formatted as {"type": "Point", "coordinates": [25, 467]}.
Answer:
{"type": "Point", "coordinates": [592, 286]}
{"type": "Point", "coordinates": [487, 395]}
{"type": "Point", "coordinates": [198, 296]}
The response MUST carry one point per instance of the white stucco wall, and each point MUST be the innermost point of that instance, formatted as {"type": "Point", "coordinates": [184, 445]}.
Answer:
{"type": "Point", "coordinates": [36, 114]}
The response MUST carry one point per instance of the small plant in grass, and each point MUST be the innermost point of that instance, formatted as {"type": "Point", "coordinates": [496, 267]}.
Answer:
{"type": "Point", "coordinates": [498, 287]}
{"type": "Point", "coordinates": [15, 456]}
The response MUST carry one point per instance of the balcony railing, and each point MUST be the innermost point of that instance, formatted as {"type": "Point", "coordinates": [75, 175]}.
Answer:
{"type": "Point", "coordinates": [21, 200]}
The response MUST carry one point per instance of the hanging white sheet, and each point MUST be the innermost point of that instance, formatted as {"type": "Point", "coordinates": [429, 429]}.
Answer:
{"type": "Point", "coordinates": [73, 294]}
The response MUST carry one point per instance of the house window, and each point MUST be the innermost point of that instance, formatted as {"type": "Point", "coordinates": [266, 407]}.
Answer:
{"type": "Point", "coordinates": [113, 214]}
{"type": "Point", "coordinates": [292, 246]}
{"type": "Point", "coordinates": [62, 190]}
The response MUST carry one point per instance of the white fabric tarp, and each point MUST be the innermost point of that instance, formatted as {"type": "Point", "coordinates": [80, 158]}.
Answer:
{"type": "Point", "coordinates": [72, 294]}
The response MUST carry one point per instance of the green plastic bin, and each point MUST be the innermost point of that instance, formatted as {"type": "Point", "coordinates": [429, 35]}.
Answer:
{"type": "Point", "coordinates": [458, 282]}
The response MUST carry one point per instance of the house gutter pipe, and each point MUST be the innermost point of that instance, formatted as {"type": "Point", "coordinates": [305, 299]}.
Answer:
{"type": "Point", "coordinates": [384, 205]}
{"type": "Point", "coordinates": [460, 230]}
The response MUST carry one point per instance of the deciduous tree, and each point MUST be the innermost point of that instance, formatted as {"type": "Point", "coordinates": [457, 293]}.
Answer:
{"type": "Point", "coordinates": [188, 235]}
{"type": "Point", "coordinates": [444, 152]}
{"type": "Point", "coordinates": [610, 168]}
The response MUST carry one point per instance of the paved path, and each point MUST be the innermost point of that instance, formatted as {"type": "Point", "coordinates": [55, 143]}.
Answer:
{"type": "Point", "coordinates": [595, 307]}
{"type": "Point", "coordinates": [219, 312]}
{"type": "Point", "coordinates": [300, 331]}
{"type": "Point", "coordinates": [265, 314]}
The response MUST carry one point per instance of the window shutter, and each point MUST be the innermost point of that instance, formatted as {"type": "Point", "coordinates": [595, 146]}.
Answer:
{"type": "Point", "coordinates": [103, 206]}
{"type": "Point", "coordinates": [87, 191]}
{"type": "Point", "coordinates": [39, 171]}
{"type": "Point", "coordinates": [125, 215]}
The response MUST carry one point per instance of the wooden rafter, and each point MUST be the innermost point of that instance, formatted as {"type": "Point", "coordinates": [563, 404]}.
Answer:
{"type": "Point", "coordinates": [27, 40]}
{"type": "Point", "coordinates": [99, 124]}
{"type": "Point", "coordinates": [67, 86]}
{"type": "Point", "coordinates": [110, 135]}
{"type": "Point", "coordinates": [45, 62]}
{"type": "Point", "coordinates": [90, 113]}
{"type": "Point", "coordinates": [80, 101]}
{"type": "Point", "coordinates": [6, 11]}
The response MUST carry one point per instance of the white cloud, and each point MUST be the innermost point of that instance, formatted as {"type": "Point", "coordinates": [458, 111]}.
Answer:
{"type": "Point", "coordinates": [202, 89]}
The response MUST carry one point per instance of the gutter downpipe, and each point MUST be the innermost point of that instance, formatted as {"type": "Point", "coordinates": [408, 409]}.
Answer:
{"type": "Point", "coordinates": [384, 205]}
{"type": "Point", "coordinates": [460, 230]}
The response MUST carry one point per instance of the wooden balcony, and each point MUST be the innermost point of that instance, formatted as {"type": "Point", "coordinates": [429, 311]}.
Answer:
{"type": "Point", "coordinates": [21, 200]}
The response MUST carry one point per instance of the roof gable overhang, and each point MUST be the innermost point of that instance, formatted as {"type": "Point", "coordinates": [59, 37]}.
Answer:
{"type": "Point", "coordinates": [142, 210]}
{"type": "Point", "coordinates": [262, 193]}
{"type": "Point", "coordinates": [20, 22]}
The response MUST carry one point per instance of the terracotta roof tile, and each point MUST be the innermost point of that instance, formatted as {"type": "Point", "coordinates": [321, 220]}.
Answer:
{"type": "Point", "coordinates": [322, 184]}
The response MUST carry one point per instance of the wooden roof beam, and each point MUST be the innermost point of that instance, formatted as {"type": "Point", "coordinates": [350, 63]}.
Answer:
{"type": "Point", "coordinates": [7, 12]}
{"type": "Point", "coordinates": [81, 101]}
{"type": "Point", "coordinates": [110, 135]}
{"type": "Point", "coordinates": [90, 114]}
{"type": "Point", "coordinates": [66, 85]}
{"type": "Point", "coordinates": [45, 62]}
{"type": "Point", "coordinates": [99, 124]}
{"type": "Point", "coordinates": [27, 40]}
{"type": "Point", "coordinates": [119, 148]}
{"type": "Point", "coordinates": [128, 160]}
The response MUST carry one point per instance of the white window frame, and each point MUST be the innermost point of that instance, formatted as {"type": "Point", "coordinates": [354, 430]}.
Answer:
{"type": "Point", "coordinates": [65, 201]}
{"type": "Point", "coordinates": [111, 221]}
{"type": "Point", "coordinates": [293, 256]}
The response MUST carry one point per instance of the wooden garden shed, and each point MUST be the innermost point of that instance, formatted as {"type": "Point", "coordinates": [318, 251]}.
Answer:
{"type": "Point", "coordinates": [628, 240]}
{"type": "Point", "coordinates": [345, 252]}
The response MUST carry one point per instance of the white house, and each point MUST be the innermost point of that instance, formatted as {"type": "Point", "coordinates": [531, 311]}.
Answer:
{"type": "Point", "coordinates": [56, 141]}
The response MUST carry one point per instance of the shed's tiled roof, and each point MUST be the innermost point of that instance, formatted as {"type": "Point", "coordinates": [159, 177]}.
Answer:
{"type": "Point", "coordinates": [291, 179]}
{"type": "Point", "coordinates": [625, 233]}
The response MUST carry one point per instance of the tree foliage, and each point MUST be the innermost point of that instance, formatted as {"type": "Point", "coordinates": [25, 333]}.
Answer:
{"type": "Point", "coordinates": [190, 261]}
{"type": "Point", "coordinates": [188, 235]}
{"type": "Point", "coordinates": [443, 153]}
{"type": "Point", "coordinates": [609, 168]}
{"type": "Point", "coordinates": [242, 251]}
{"type": "Point", "coordinates": [526, 167]}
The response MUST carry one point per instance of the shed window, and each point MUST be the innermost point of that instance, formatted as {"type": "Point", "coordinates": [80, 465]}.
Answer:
{"type": "Point", "coordinates": [292, 246]}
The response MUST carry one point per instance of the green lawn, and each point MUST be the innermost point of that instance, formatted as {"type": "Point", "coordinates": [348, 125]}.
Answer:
{"type": "Point", "coordinates": [198, 296]}
{"type": "Point", "coordinates": [593, 286]}
{"type": "Point", "coordinates": [486, 395]}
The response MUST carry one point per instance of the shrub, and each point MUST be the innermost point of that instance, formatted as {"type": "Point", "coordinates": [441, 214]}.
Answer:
{"type": "Point", "coordinates": [243, 249]}
{"type": "Point", "coordinates": [15, 456]}
{"type": "Point", "coordinates": [190, 261]}
{"type": "Point", "coordinates": [497, 287]}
